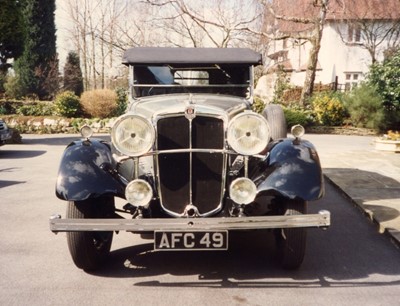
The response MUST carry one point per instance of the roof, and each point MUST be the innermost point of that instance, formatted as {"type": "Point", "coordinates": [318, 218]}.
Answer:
{"type": "Point", "coordinates": [186, 56]}
{"type": "Point", "coordinates": [364, 9]}
{"type": "Point", "coordinates": [337, 10]}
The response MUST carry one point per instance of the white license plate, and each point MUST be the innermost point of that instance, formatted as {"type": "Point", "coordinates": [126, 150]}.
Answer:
{"type": "Point", "coordinates": [195, 240]}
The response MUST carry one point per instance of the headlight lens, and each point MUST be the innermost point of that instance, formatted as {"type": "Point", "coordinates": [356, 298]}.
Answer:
{"type": "Point", "coordinates": [248, 133]}
{"type": "Point", "coordinates": [243, 191]}
{"type": "Point", "coordinates": [132, 135]}
{"type": "Point", "coordinates": [298, 131]}
{"type": "Point", "coordinates": [138, 193]}
{"type": "Point", "coordinates": [86, 131]}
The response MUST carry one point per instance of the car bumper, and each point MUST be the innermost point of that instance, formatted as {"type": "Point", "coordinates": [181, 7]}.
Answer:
{"type": "Point", "coordinates": [322, 220]}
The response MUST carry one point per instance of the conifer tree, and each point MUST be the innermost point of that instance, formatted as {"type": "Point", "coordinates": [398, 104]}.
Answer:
{"type": "Point", "coordinates": [37, 68]}
{"type": "Point", "coordinates": [11, 38]}
{"type": "Point", "coordinates": [73, 80]}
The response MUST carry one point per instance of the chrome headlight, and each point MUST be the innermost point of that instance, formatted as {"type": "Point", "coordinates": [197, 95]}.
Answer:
{"type": "Point", "coordinates": [132, 135]}
{"type": "Point", "coordinates": [298, 131]}
{"type": "Point", "coordinates": [138, 193]}
{"type": "Point", "coordinates": [243, 191]}
{"type": "Point", "coordinates": [248, 133]}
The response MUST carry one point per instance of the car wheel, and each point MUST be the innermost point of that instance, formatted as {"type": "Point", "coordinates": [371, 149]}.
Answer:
{"type": "Point", "coordinates": [89, 249]}
{"type": "Point", "coordinates": [291, 242]}
{"type": "Point", "coordinates": [277, 122]}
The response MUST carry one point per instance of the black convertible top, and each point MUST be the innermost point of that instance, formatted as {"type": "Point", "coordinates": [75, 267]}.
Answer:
{"type": "Point", "coordinates": [186, 56]}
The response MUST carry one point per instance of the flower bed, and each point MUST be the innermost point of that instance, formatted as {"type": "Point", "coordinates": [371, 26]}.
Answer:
{"type": "Point", "coordinates": [389, 142]}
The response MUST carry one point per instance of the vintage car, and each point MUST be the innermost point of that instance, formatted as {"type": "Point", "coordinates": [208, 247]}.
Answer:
{"type": "Point", "coordinates": [5, 132]}
{"type": "Point", "coordinates": [193, 162]}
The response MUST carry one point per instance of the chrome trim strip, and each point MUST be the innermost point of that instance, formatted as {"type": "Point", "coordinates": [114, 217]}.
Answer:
{"type": "Point", "coordinates": [190, 164]}
{"type": "Point", "coordinates": [190, 86]}
{"type": "Point", "coordinates": [222, 151]}
{"type": "Point", "coordinates": [322, 219]}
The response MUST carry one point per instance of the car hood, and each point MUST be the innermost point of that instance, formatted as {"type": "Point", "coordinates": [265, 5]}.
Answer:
{"type": "Point", "coordinates": [170, 105]}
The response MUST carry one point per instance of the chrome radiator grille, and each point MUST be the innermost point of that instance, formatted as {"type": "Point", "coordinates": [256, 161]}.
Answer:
{"type": "Point", "coordinates": [190, 177]}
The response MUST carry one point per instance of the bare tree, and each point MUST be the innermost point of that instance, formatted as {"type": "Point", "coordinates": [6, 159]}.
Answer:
{"type": "Point", "coordinates": [302, 21]}
{"type": "Point", "coordinates": [218, 24]}
{"type": "Point", "coordinates": [370, 24]}
{"type": "Point", "coordinates": [78, 14]}
{"type": "Point", "coordinates": [94, 30]}
{"type": "Point", "coordinates": [101, 30]}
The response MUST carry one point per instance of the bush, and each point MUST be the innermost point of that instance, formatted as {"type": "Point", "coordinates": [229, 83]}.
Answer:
{"type": "Point", "coordinates": [13, 87]}
{"type": "Point", "coordinates": [36, 109]}
{"type": "Point", "coordinates": [258, 105]}
{"type": "Point", "coordinates": [99, 103]}
{"type": "Point", "coordinates": [328, 109]}
{"type": "Point", "coordinates": [365, 107]}
{"type": "Point", "coordinates": [67, 104]}
{"type": "Point", "coordinates": [122, 101]}
{"type": "Point", "coordinates": [385, 77]}
{"type": "Point", "coordinates": [297, 116]}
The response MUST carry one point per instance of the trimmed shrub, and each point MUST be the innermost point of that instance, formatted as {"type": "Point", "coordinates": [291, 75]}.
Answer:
{"type": "Point", "coordinates": [36, 109]}
{"type": "Point", "coordinates": [99, 103]}
{"type": "Point", "coordinates": [328, 109]}
{"type": "Point", "coordinates": [67, 104]}
{"type": "Point", "coordinates": [297, 116]}
{"type": "Point", "coordinates": [365, 107]}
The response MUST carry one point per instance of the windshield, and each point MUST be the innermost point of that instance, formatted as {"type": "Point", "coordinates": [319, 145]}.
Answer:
{"type": "Point", "coordinates": [216, 79]}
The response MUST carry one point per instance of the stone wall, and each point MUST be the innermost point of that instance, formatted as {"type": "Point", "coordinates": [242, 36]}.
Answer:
{"type": "Point", "coordinates": [55, 125]}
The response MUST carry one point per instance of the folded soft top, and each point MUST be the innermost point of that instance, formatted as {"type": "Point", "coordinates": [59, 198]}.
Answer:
{"type": "Point", "coordinates": [189, 56]}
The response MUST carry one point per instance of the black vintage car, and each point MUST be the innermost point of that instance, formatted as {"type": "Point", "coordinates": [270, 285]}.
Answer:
{"type": "Point", "coordinates": [5, 133]}
{"type": "Point", "coordinates": [193, 162]}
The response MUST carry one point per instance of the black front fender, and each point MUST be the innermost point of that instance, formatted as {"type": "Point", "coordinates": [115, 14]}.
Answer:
{"type": "Point", "coordinates": [83, 172]}
{"type": "Point", "coordinates": [292, 170]}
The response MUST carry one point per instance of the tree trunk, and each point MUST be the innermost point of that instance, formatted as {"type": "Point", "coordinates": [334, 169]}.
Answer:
{"type": "Point", "coordinates": [312, 64]}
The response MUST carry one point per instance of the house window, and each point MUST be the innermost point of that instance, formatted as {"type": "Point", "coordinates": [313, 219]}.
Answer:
{"type": "Point", "coordinates": [285, 43]}
{"type": "Point", "coordinates": [352, 79]}
{"type": "Point", "coordinates": [354, 33]}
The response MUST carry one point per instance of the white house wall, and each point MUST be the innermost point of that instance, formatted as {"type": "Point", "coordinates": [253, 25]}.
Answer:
{"type": "Point", "coordinates": [336, 58]}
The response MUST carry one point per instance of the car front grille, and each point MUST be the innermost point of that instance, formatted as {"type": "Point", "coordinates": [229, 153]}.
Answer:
{"type": "Point", "coordinates": [191, 177]}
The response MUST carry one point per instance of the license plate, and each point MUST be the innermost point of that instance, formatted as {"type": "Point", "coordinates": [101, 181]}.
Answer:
{"type": "Point", "coordinates": [195, 240]}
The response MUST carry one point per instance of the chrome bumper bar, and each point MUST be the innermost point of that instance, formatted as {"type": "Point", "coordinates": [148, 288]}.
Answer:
{"type": "Point", "coordinates": [322, 219]}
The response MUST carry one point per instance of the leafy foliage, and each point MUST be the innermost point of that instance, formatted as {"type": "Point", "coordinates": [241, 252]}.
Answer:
{"type": "Point", "coordinates": [328, 109]}
{"type": "Point", "coordinates": [282, 84]}
{"type": "Point", "coordinates": [296, 115]}
{"type": "Point", "coordinates": [13, 87]}
{"type": "Point", "coordinates": [122, 101]}
{"type": "Point", "coordinates": [67, 104]}
{"type": "Point", "coordinates": [364, 105]}
{"type": "Point", "coordinates": [258, 105]}
{"type": "Point", "coordinates": [36, 109]}
{"type": "Point", "coordinates": [385, 78]}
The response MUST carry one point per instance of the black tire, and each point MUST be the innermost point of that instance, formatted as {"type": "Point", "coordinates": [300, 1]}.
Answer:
{"type": "Point", "coordinates": [277, 121]}
{"type": "Point", "coordinates": [89, 249]}
{"type": "Point", "coordinates": [291, 242]}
